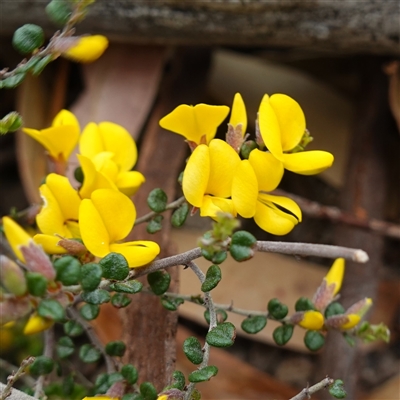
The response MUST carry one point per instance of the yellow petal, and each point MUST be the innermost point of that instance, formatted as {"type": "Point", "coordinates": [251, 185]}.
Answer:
{"type": "Point", "coordinates": [196, 175]}
{"type": "Point", "coordinates": [223, 163]}
{"type": "Point", "coordinates": [269, 128]}
{"type": "Point", "coordinates": [87, 49]}
{"type": "Point", "coordinates": [335, 275]}
{"type": "Point", "coordinates": [308, 162]}
{"type": "Point", "coordinates": [238, 113]}
{"type": "Point", "coordinates": [103, 163]}
{"type": "Point", "coordinates": [353, 320]}
{"type": "Point", "coordinates": [91, 142]}
{"type": "Point", "coordinates": [312, 320]}
{"type": "Point", "coordinates": [137, 253]}
{"type": "Point", "coordinates": [245, 190]}
{"type": "Point", "coordinates": [129, 182]}
{"type": "Point", "coordinates": [195, 122]}
{"type": "Point", "coordinates": [268, 169]}
{"type": "Point", "coordinates": [16, 236]}
{"type": "Point", "coordinates": [291, 120]}
{"type": "Point", "coordinates": [214, 205]}
{"type": "Point", "coordinates": [37, 324]}
{"type": "Point", "coordinates": [49, 243]}
{"type": "Point", "coordinates": [64, 118]}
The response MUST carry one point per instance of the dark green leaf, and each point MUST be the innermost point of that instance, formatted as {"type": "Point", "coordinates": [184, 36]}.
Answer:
{"type": "Point", "coordinates": [132, 396]}
{"type": "Point", "coordinates": [157, 200]}
{"type": "Point", "coordinates": [178, 380]}
{"type": "Point", "coordinates": [203, 374]}
{"type": "Point", "coordinates": [159, 282]}
{"type": "Point", "coordinates": [254, 324]}
{"type": "Point", "coordinates": [155, 224]}
{"type": "Point", "coordinates": [58, 11]}
{"type": "Point", "coordinates": [334, 309]}
{"type": "Point", "coordinates": [41, 366]}
{"type": "Point", "coordinates": [114, 266]}
{"type": "Point", "coordinates": [28, 38]}
{"type": "Point", "coordinates": [179, 216]}
{"type": "Point", "coordinates": [242, 245]}
{"type": "Point", "coordinates": [304, 304]}
{"type": "Point", "coordinates": [116, 348]}
{"type": "Point", "coordinates": [282, 334]}
{"type": "Point", "coordinates": [216, 257]}
{"type": "Point", "coordinates": [68, 270]}
{"type": "Point", "coordinates": [213, 277]}
{"type": "Point", "coordinates": [314, 340]}
{"type": "Point", "coordinates": [37, 283]}
{"type": "Point", "coordinates": [222, 316]}
{"type": "Point", "coordinates": [130, 287]}
{"type": "Point", "coordinates": [193, 350]}
{"type": "Point", "coordinates": [68, 385]}
{"type": "Point", "coordinates": [130, 373]}
{"type": "Point", "coordinates": [98, 296]}
{"type": "Point", "coordinates": [65, 347]}
{"type": "Point", "coordinates": [89, 353]}
{"type": "Point", "coordinates": [91, 274]}
{"type": "Point", "coordinates": [223, 335]}
{"type": "Point", "coordinates": [277, 309]}
{"type": "Point", "coordinates": [52, 309]}
{"type": "Point", "coordinates": [120, 300]}
{"type": "Point", "coordinates": [171, 304]}
{"type": "Point", "coordinates": [337, 389]}
{"type": "Point", "coordinates": [90, 311]}
{"type": "Point", "coordinates": [148, 391]}
{"type": "Point", "coordinates": [73, 328]}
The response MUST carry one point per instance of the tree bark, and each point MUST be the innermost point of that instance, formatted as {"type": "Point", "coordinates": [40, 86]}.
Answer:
{"type": "Point", "coordinates": [368, 26]}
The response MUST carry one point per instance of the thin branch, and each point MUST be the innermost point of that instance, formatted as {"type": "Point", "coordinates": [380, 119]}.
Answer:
{"type": "Point", "coordinates": [48, 352]}
{"type": "Point", "coordinates": [10, 368]}
{"type": "Point", "coordinates": [15, 394]}
{"type": "Point", "coordinates": [307, 392]}
{"type": "Point", "coordinates": [334, 214]}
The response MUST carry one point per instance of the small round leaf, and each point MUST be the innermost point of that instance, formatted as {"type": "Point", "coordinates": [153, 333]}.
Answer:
{"type": "Point", "coordinates": [91, 274]}
{"type": "Point", "coordinates": [37, 283]}
{"type": "Point", "coordinates": [52, 309]}
{"type": "Point", "coordinates": [337, 389]}
{"type": "Point", "coordinates": [65, 347]}
{"type": "Point", "coordinates": [130, 287]}
{"type": "Point", "coordinates": [120, 300]}
{"type": "Point", "coordinates": [89, 353]}
{"type": "Point", "coordinates": [179, 216]}
{"type": "Point", "coordinates": [58, 11]}
{"type": "Point", "coordinates": [155, 224]}
{"type": "Point", "coordinates": [28, 38]}
{"type": "Point", "coordinates": [98, 296]}
{"type": "Point", "coordinates": [90, 311]}
{"type": "Point", "coordinates": [114, 266]}
{"type": "Point", "coordinates": [73, 328]}
{"type": "Point", "coordinates": [157, 200]}
{"type": "Point", "coordinates": [148, 391]}
{"type": "Point", "coordinates": [304, 304]}
{"type": "Point", "coordinates": [130, 373]}
{"type": "Point", "coordinates": [193, 350]}
{"type": "Point", "coordinates": [334, 308]}
{"type": "Point", "coordinates": [314, 340]}
{"type": "Point", "coordinates": [277, 309]}
{"type": "Point", "coordinates": [116, 348]}
{"type": "Point", "coordinates": [159, 282]}
{"type": "Point", "coordinates": [68, 270]}
{"type": "Point", "coordinates": [203, 374]}
{"type": "Point", "coordinates": [282, 334]}
{"type": "Point", "coordinates": [41, 366]}
{"type": "Point", "coordinates": [254, 324]}
{"type": "Point", "coordinates": [213, 277]}
{"type": "Point", "coordinates": [223, 335]}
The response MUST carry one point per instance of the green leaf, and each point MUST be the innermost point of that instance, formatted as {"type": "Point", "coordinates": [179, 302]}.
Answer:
{"type": "Point", "coordinates": [247, 147]}
{"type": "Point", "coordinates": [11, 122]}
{"type": "Point", "coordinates": [65, 347]}
{"type": "Point", "coordinates": [304, 304]}
{"type": "Point", "coordinates": [148, 391]}
{"type": "Point", "coordinates": [203, 374]}
{"type": "Point", "coordinates": [242, 245]}
{"type": "Point", "coordinates": [116, 348]}
{"type": "Point", "coordinates": [68, 270]}
{"type": "Point", "coordinates": [216, 257]}
{"type": "Point", "coordinates": [222, 316]}
{"type": "Point", "coordinates": [178, 380]}
{"type": "Point", "coordinates": [89, 354]}
{"type": "Point", "coordinates": [282, 334]}
{"type": "Point", "coordinates": [130, 373]}
{"type": "Point", "coordinates": [213, 277]}
{"type": "Point", "coordinates": [41, 65]}
{"type": "Point", "coordinates": [130, 287]}
{"type": "Point", "coordinates": [254, 324]}
{"type": "Point", "coordinates": [58, 11]}
{"type": "Point", "coordinates": [90, 311]}
{"type": "Point", "coordinates": [159, 282]}
{"type": "Point", "coordinates": [114, 266]}
{"type": "Point", "coordinates": [337, 389]}
{"type": "Point", "coordinates": [52, 309]}
{"type": "Point", "coordinates": [334, 308]}
{"type": "Point", "coordinates": [91, 274]}
{"type": "Point", "coordinates": [179, 216]}
{"type": "Point", "coordinates": [120, 300]}
{"type": "Point", "coordinates": [193, 350]}
{"type": "Point", "coordinates": [78, 174]}
{"type": "Point", "coordinates": [98, 296]}
{"type": "Point", "coordinates": [171, 304]}
{"type": "Point", "coordinates": [314, 340]}
{"type": "Point", "coordinates": [155, 224]}
{"type": "Point", "coordinates": [223, 335]}
{"type": "Point", "coordinates": [157, 200]}
{"type": "Point", "coordinates": [37, 283]}
{"type": "Point", "coordinates": [105, 381]}
{"type": "Point", "coordinates": [73, 328]}
{"type": "Point", "coordinates": [132, 396]}
{"type": "Point", "coordinates": [277, 309]}
{"type": "Point", "coordinates": [28, 38]}
{"type": "Point", "coordinates": [41, 366]}
{"type": "Point", "coordinates": [13, 81]}
{"type": "Point", "coordinates": [68, 385]}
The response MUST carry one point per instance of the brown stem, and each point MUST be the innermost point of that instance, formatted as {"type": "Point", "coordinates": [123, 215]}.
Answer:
{"type": "Point", "coordinates": [307, 392]}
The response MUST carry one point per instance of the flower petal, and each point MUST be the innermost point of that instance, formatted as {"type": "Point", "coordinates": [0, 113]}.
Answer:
{"type": "Point", "coordinates": [129, 182]}
{"type": "Point", "coordinates": [213, 205]}
{"type": "Point", "coordinates": [91, 141]}
{"type": "Point", "coordinates": [196, 175]}
{"type": "Point", "coordinates": [335, 275]}
{"type": "Point", "coordinates": [352, 321]}
{"type": "Point", "coordinates": [16, 236]}
{"type": "Point", "coordinates": [103, 162]}
{"type": "Point", "coordinates": [238, 113]}
{"type": "Point", "coordinates": [245, 190]}
{"type": "Point", "coordinates": [308, 162]}
{"type": "Point", "coordinates": [291, 120]}
{"type": "Point", "coordinates": [87, 48]}
{"type": "Point", "coordinates": [268, 169]}
{"type": "Point", "coordinates": [49, 243]}
{"type": "Point", "coordinates": [37, 324]}
{"type": "Point", "coordinates": [312, 320]}
{"type": "Point", "coordinates": [64, 118]}
{"type": "Point", "coordinates": [137, 253]}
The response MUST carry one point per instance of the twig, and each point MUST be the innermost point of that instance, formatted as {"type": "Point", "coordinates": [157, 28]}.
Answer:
{"type": "Point", "coordinates": [307, 392]}
{"type": "Point", "coordinates": [14, 377]}
{"type": "Point", "coordinates": [15, 394]}
{"type": "Point", "coordinates": [316, 210]}
{"type": "Point", "coordinates": [10, 368]}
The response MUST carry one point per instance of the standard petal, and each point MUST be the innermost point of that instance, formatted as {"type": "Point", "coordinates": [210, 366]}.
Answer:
{"type": "Point", "coordinates": [49, 243]}
{"type": "Point", "coordinates": [196, 175]}
{"type": "Point", "coordinates": [61, 140]}
{"type": "Point", "coordinates": [91, 142]}
{"type": "Point", "coordinates": [65, 117]}
{"type": "Point", "coordinates": [87, 49]}
{"type": "Point", "coordinates": [312, 320]}
{"type": "Point", "coordinates": [268, 169]}
{"type": "Point", "coordinates": [16, 236]}
{"type": "Point", "coordinates": [137, 253]}
{"type": "Point", "coordinates": [129, 182]}
{"type": "Point", "coordinates": [308, 162]}
{"type": "Point", "coordinates": [245, 190]}
{"type": "Point", "coordinates": [223, 163]}
{"type": "Point", "coordinates": [269, 128]}
{"type": "Point", "coordinates": [214, 205]}
{"type": "Point", "coordinates": [291, 120]}
{"type": "Point", "coordinates": [117, 212]}
{"type": "Point", "coordinates": [93, 230]}
{"type": "Point", "coordinates": [238, 113]}
{"type": "Point", "coordinates": [335, 275]}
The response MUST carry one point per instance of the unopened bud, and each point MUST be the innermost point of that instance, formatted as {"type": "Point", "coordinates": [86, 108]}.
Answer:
{"type": "Point", "coordinates": [37, 324]}
{"type": "Point", "coordinates": [312, 320]}
{"type": "Point", "coordinates": [13, 309]}
{"type": "Point", "coordinates": [12, 276]}
{"type": "Point", "coordinates": [37, 260]}
{"type": "Point", "coordinates": [72, 246]}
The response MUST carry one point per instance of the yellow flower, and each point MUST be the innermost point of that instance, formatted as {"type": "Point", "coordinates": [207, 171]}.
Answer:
{"type": "Point", "coordinates": [16, 236]}
{"type": "Point", "coordinates": [335, 275]}
{"type": "Point", "coordinates": [312, 320]}
{"type": "Point", "coordinates": [238, 114]}
{"type": "Point", "coordinates": [61, 138]}
{"type": "Point", "coordinates": [87, 49]}
{"type": "Point", "coordinates": [207, 179]}
{"type": "Point", "coordinates": [37, 324]}
{"type": "Point", "coordinates": [107, 218]}
{"type": "Point", "coordinates": [253, 179]}
{"type": "Point", "coordinates": [197, 124]}
{"type": "Point", "coordinates": [282, 126]}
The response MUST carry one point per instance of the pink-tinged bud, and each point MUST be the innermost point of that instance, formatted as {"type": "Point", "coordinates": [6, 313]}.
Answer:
{"type": "Point", "coordinates": [337, 321]}
{"type": "Point", "coordinates": [72, 246]}
{"type": "Point", "coordinates": [312, 320]}
{"type": "Point", "coordinates": [37, 261]}
{"type": "Point", "coordinates": [360, 308]}
{"type": "Point", "coordinates": [235, 136]}
{"type": "Point", "coordinates": [323, 296]}
{"type": "Point", "coordinates": [12, 276]}
{"type": "Point", "coordinates": [64, 298]}
{"type": "Point", "coordinates": [37, 324]}
{"type": "Point", "coordinates": [13, 309]}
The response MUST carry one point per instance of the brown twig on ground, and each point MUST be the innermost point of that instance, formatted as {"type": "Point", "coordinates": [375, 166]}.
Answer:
{"type": "Point", "coordinates": [307, 392]}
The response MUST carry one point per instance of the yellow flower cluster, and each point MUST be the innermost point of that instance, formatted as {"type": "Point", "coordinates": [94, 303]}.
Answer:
{"type": "Point", "coordinates": [216, 179]}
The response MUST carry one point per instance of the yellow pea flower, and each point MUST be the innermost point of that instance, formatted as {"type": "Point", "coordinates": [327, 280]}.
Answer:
{"type": "Point", "coordinates": [37, 324]}
{"type": "Point", "coordinates": [16, 236]}
{"type": "Point", "coordinates": [61, 138]}
{"type": "Point", "coordinates": [198, 124]}
{"type": "Point", "coordinates": [312, 320]}
{"type": "Point", "coordinates": [207, 178]}
{"type": "Point", "coordinates": [107, 218]}
{"type": "Point", "coordinates": [86, 49]}
{"type": "Point", "coordinates": [335, 275]}
{"type": "Point", "coordinates": [282, 126]}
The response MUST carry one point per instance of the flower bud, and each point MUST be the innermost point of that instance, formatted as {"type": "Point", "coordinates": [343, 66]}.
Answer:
{"type": "Point", "coordinates": [312, 320]}
{"type": "Point", "coordinates": [37, 324]}
{"type": "Point", "coordinates": [37, 261]}
{"type": "Point", "coordinates": [13, 309]}
{"type": "Point", "coordinates": [12, 276]}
